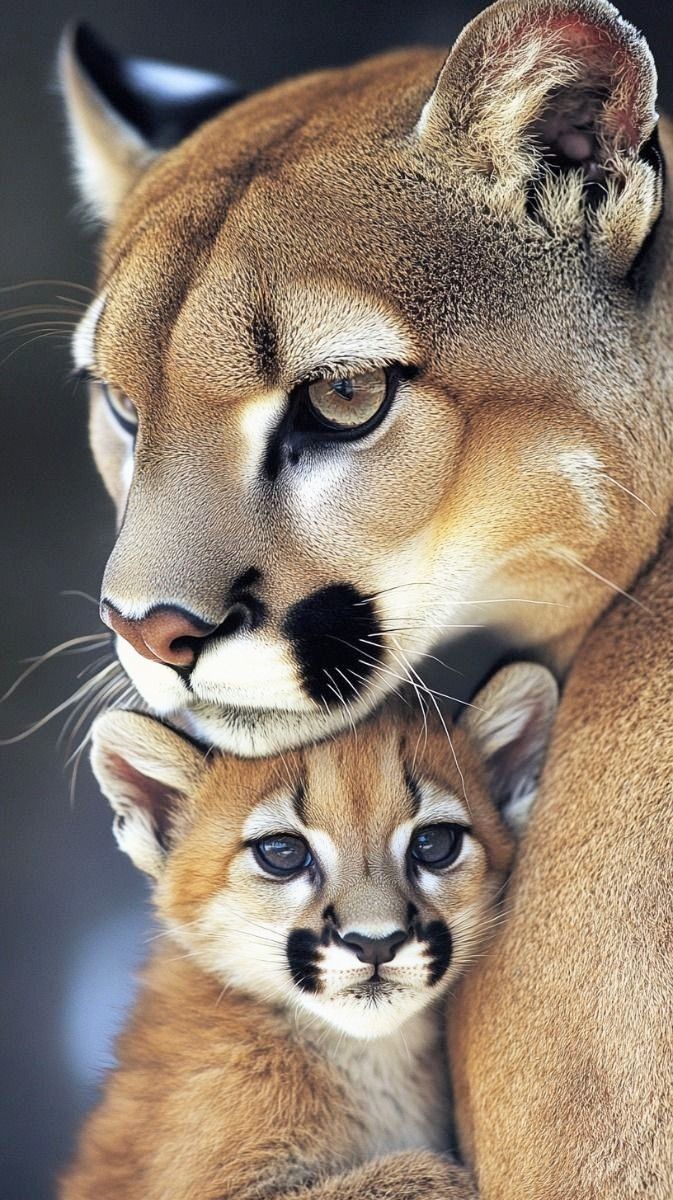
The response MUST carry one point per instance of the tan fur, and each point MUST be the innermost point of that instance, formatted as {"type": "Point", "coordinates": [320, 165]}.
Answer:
{"type": "Point", "coordinates": [368, 215]}
{"type": "Point", "coordinates": [563, 1036]}
{"type": "Point", "coordinates": [536, 349]}
{"type": "Point", "coordinates": [232, 1082]}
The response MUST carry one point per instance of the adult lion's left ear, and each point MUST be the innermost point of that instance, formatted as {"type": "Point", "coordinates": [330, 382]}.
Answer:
{"type": "Point", "coordinates": [123, 111]}
{"type": "Point", "coordinates": [552, 101]}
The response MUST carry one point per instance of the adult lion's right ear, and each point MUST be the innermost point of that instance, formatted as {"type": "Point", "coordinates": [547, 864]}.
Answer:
{"type": "Point", "coordinates": [149, 774]}
{"type": "Point", "coordinates": [554, 99]}
{"type": "Point", "coordinates": [123, 111]}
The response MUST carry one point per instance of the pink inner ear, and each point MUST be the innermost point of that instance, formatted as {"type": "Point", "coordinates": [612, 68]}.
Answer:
{"type": "Point", "coordinates": [149, 794]}
{"type": "Point", "coordinates": [609, 68]}
{"type": "Point", "coordinates": [610, 60]}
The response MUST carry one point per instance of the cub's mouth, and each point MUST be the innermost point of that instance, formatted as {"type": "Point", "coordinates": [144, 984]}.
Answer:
{"type": "Point", "coordinates": [375, 988]}
{"type": "Point", "coordinates": [369, 985]}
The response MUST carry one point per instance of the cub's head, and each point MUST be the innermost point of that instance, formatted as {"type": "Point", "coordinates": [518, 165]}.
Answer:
{"type": "Point", "coordinates": [354, 879]}
{"type": "Point", "coordinates": [369, 361]}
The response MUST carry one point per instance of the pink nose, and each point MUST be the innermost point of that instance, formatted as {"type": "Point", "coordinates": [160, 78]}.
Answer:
{"type": "Point", "coordinates": [167, 635]}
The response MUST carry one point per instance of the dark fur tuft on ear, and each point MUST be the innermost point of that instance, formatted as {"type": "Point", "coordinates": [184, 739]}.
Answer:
{"type": "Point", "coordinates": [123, 110]}
{"type": "Point", "coordinates": [555, 100]}
{"type": "Point", "coordinates": [163, 102]}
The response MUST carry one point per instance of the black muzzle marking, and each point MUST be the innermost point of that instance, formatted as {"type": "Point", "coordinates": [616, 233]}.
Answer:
{"type": "Point", "coordinates": [437, 936]}
{"type": "Point", "coordinates": [302, 949]}
{"type": "Point", "coordinates": [334, 633]}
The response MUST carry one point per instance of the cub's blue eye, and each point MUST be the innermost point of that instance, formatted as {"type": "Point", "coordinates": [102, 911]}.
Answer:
{"type": "Point", "coordinates": [282, 854]}
{"type": "Point", "coordinates": [437, 846]}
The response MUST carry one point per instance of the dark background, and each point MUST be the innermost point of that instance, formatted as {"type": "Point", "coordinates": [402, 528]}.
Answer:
{"type": "Point", "coordinates": [75, 918]}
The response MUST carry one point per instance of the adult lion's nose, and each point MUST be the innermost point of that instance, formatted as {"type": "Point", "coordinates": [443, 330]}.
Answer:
{"type": "Point", "coordinates": [167, 634]}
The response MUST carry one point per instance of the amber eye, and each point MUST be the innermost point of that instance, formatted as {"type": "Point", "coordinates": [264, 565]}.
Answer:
{"type": "Point", "coordinates": [345, 404]}
{"type": "Point", "coordinates": [123, 409]}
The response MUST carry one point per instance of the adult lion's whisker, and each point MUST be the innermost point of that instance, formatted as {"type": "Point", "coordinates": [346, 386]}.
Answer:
{"type": "Point", "coordinates": [577, 562]}
{"type": "Point", "coordinates": [72, 646]}
{"type": "Point", "coordinates": [59, 708]}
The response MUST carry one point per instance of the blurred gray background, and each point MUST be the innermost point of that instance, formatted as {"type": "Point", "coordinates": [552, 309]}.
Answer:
{"type": "Point", "coordinates": [75, 915]}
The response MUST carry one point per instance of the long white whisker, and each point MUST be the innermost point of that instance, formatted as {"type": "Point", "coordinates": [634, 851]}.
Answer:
{"type": "Point", "coordinates": [65, 704]}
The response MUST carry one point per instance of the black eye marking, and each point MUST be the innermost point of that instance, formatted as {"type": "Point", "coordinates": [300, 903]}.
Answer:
{"type": "Point", "coordinates": [301, 427]}
{"type": "Point", "coordinates": [437, 846]}
{"type": "Point", "coordinates": [333, 633]}
{"type": "Point", "coordinates": [299, 801]}
{"type": "Point", "coordinates": [282, 855]}
{"type": "Point", "coordinates": [437, 935]}
{"type": "Point", "coordinates": [302, 956]}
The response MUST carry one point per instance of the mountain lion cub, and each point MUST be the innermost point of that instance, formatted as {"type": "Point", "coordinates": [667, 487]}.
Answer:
{"type": "Point", "coordinates": [288, 1031]}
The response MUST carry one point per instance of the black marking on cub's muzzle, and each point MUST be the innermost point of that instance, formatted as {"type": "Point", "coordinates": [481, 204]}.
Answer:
{"type": "Point", "coordinates": [334, 632]}
{"type": "Point", "coordinates": [437, 935]}
{"type": "Point", "coordinates": [302, 955]}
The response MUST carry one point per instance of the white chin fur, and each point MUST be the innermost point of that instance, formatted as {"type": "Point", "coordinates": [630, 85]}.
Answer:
{"type": "Point", "coordinates": [367, 1019]}
{"type": "Point", "coordinates": [236, 722]}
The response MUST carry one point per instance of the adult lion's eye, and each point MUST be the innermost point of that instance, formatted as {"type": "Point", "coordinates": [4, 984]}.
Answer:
{"type": "Point", "coordinates": [437, 846]}
{"type": "Point", "coordinates": [282, 854]}
{"type": "Point", "coordinates": [123, 409]}
{"type": "Point", "coordinates": [344, 404]}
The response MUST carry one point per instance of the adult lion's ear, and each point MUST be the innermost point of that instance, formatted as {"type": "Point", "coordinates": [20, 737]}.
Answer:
{"type": "Point", "coordinates": [560, 94]}
{"type": "Point", "coordinates": [149, 774]}
{"type": "Point", "coordinates": [123, 111]}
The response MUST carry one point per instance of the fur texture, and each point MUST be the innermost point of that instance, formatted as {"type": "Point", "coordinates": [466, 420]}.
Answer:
{"type": "Point", "coordinates": [585, 958]}
{"type": "Point", "coordinates": [247, 1070]}
{"type": "Point", "coordinates": [476, 218]}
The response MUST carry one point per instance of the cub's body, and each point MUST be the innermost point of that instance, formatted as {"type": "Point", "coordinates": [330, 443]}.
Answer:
{"type": "Point", "coordinates": [219, 1097]}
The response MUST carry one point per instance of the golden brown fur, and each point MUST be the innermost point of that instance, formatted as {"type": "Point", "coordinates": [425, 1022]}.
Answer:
{"type": "Point", "coordinates": [358, 217]}
{"type": "Point", "coordinates": [544, 409]}
{"type": "Point", "coordinates": [235, 1081]}
{"type": "Point", "coordinates": [563, 1047]}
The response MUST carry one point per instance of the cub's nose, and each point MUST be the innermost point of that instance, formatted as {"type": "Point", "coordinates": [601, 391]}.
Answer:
{"type": "Point", "coordinates": [375, 950]}
{"type": "Point", "coordinates": [168, 635]}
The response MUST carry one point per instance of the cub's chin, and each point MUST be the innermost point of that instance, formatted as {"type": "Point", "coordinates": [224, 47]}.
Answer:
{"type": "Point", "coordinates": [373, 1009]}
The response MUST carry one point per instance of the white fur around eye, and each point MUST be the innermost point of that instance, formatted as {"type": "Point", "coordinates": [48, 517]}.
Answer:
{"type": "Point", "coordinates": [275, 814]}
{"type": "Point", "coordinates": [436, 807]}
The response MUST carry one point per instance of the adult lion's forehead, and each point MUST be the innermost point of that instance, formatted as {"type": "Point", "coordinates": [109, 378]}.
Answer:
{"type": "Point", "coordinates": [358, 107]}
{"type": "Point", "coordinates": [279, 220]}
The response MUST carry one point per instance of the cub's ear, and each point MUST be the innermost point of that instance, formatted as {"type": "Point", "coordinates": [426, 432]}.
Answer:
{"type": "Point", "coordinates": [510, 725]}
{"type": "Point", "coordinates": [122, 111]}
{"type": "Point", "coordinates": [148, 773]}
{"type": "Point", "coordinates": [542, 92]}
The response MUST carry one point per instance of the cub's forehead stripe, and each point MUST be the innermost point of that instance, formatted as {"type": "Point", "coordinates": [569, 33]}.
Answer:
{"type": "Point", "coordinates": [84, 337]}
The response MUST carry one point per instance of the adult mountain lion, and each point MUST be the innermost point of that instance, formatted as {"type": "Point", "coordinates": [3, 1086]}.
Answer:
{"type": "Point", "coordinates": [376, 354]}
